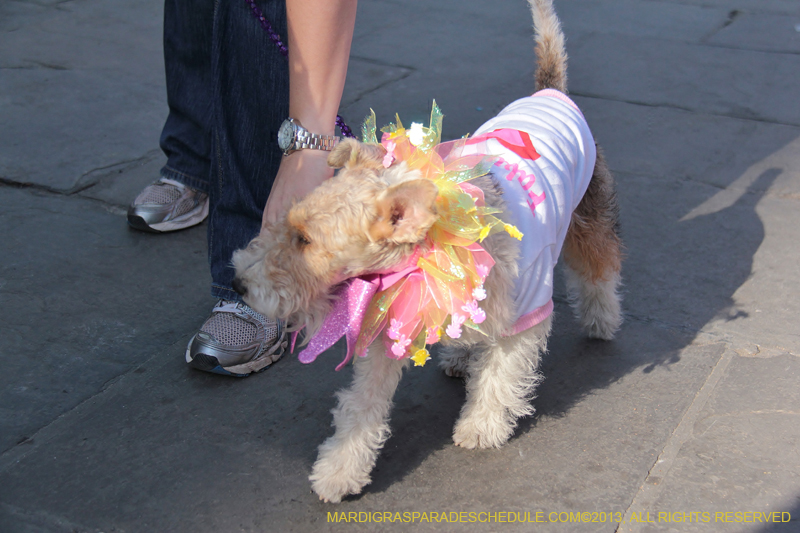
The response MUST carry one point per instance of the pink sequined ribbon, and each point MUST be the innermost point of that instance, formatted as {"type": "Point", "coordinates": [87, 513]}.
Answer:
{"type": "Point", "coordinates": [351, 302]}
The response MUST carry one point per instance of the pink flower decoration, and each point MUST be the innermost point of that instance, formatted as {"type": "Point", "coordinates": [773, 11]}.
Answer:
{"type": "Point", "coordinates": [394, 330]}
{"type": "Point", "coordinates": [475, 313]}
{"type": "Point", "coordinates": [454, 329]}
{"type": "Point", "coordinates": [388, 159]}
{"type": "Point", "coordinates": [399, 347]}
{"type": "Point", "coordinates": [433, 335]}
{"type": "Point", "coordinates": [483, 271]}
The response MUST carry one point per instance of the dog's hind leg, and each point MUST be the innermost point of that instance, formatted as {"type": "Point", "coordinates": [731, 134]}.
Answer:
{"type": "Point", "coordinates": [593, 255]}
{"type": "Point", "coordinates": [362, 426]}
{"type": "Point", "coordinates": [500, 387]}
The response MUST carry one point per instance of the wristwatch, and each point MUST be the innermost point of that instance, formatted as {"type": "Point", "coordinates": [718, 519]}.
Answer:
{"type": "Point", "coordinates": [292, 137]}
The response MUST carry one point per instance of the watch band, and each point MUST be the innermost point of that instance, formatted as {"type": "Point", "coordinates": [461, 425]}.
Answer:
{"type": "Point", "coordinates": [314, 141]}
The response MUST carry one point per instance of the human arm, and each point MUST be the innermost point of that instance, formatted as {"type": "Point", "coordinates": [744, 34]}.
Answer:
{"type": "Point", "coordinates": [320, 35]}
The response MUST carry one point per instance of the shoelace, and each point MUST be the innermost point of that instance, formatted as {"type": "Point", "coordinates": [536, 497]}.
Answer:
{"type": "Point", "coordinates": [226, 307]}
{"type": "Point", "coordinates": [237, 308]}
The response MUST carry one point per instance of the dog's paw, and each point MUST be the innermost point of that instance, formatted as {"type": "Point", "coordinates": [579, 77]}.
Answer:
{"type": "Point", "coordinates": [331, 491]}
{"type": "Point", "coordinates": [604, 331]}
{"type": "Point", "coordinates": [337, 474]}
{"type": "Point", "coordinates": [482, 433]}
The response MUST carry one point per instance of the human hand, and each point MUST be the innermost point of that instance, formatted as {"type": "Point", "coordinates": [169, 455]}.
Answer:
{"type": "Point", "coordinates": [299, 173]}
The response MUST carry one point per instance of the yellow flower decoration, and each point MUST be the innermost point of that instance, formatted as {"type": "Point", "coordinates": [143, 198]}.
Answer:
{"type": "Point", "coordinates": [421, 357]}
{"type": "Point", "coordinates": [513, 231]}
{"type": "Point", "coordinates": [484, 233]}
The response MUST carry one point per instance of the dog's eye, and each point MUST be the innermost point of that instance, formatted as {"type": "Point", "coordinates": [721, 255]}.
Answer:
{"type": "Point", "coordinates": [301, 240]}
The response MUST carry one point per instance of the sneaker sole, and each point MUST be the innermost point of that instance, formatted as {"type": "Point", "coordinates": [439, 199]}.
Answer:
{"type": "Point", "coordinates": [192, 218]}
{"type": "Point", "coordinates": [209, 363]}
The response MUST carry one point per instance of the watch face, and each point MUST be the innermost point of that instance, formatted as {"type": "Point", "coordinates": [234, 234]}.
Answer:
{"type": "Point", "coordinates": [285, 135]}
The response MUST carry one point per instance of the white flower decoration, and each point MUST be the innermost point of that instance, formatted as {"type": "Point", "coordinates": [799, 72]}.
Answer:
{"type": "Point", "coordinates": [415, 133]}
{"type": "Point", "coordinates": [479, 293]}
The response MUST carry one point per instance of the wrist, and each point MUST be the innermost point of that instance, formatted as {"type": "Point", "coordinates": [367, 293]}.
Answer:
{"type": "Point", "coordinates": [322, 124]}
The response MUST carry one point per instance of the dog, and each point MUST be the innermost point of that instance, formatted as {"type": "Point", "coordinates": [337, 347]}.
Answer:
{"type": "Point", "coordinates": [373, 216]}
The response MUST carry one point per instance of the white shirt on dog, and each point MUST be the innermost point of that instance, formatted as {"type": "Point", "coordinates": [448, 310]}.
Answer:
{"type": "Point", "coordinates": [542, 187]}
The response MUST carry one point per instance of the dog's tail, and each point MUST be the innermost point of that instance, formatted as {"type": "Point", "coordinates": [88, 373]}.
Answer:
{"type": "Point", "coordinates": [551, 54]}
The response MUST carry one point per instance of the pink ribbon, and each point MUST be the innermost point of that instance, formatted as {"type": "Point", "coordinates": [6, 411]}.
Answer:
{"type": "Point", "coordinates": [347, 315]}
{"type": "Point", "coordinates": [344, 320]}
{"type": "Point", "coordinates": [517, 141]}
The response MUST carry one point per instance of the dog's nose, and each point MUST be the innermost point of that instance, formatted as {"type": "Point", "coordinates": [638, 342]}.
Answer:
{"type": "Point", "coordinates": [239, 287]}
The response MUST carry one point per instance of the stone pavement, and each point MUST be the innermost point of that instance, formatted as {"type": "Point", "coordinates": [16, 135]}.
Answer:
{"type": "Point", "coordinates": [695, 408]}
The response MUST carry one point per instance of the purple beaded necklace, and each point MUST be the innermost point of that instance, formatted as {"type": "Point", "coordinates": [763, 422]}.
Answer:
{"type": "Point", "coordinates": [275, 38]}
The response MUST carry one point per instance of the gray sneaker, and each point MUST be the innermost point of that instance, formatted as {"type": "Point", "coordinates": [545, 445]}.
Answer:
{"type": "Point", "coordinates": [167, 205]}
{"type": "Point", "coordinates": [236, 341]}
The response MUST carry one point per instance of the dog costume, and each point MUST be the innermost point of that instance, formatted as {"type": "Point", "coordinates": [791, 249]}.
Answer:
{"type": "Point", "coordinates": [546, 155]}
{"type": "Point", "coordinates": [541, 152]}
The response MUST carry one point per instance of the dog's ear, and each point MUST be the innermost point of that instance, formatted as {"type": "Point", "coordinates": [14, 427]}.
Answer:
{"type": "Point", "coordinates": [405, 212]}
{"type": "Point", "coordinates": [350, 153]}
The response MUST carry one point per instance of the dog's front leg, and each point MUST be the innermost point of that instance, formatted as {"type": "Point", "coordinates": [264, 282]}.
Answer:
{"type": "Point", "coordinates": [500, 387]}
{"type": "Point", "coordinates": [362, 426]}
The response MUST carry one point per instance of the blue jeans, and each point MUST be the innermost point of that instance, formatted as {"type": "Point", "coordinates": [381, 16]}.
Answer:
{"type": "Point", "coordinates": [228, 92]}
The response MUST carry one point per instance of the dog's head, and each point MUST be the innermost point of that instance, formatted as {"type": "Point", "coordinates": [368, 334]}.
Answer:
{"type": "Point", "coordinates": [365, 219]}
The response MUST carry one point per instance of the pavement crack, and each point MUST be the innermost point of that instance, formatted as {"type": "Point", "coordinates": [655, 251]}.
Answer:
{"type": "Point", "coordinates": [361, 96]}
{"type": "Point", "coordinates": [731, 18]}
{"type": "Point", "coordinates": [8, 182]}
{"type": "Point", "coordinates": [767, 9]}
{"type": "Point", "coordinates": [47, 66]}
{"type": "Point", "coordinates": [664, 105]}
{"type": "Point", "coordinates": [52, 5]}
{"type": "Point", "coordinates": [16, 452]}
{"type": "Point", "coordinates": [92, 177]}
{"type": "Point", "coordinates": [112, 208]}
{"type": "Point", "coordinates": [650, 489]}
{"type": "Point", "coordinates": [747, 49]}
{"type": "Point", "coordinates": [86, 181]}
{"type": "Point", "coordinates": [36, 65]}
{"type": "Point", "coordinates": [382, 63]}
{"type": "Point", "coordinates": [754, 412]}
{"type": "Point", "coordinates": [406, 72]}
{"type": "Point", "coordinates": [48, 521]}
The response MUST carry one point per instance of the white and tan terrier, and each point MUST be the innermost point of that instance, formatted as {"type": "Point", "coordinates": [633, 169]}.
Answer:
{"type": "Point", "coordinates": [373, 216]}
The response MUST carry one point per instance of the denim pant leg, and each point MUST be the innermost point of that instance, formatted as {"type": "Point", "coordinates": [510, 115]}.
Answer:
{"type": "Point", "coordinates": [186, 137]}
{"type": "Point", "coordinates": [251, 100]}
